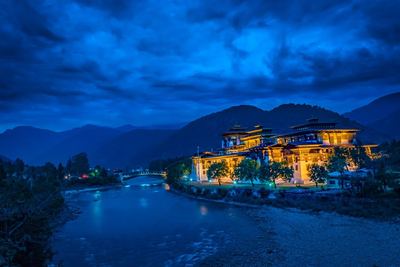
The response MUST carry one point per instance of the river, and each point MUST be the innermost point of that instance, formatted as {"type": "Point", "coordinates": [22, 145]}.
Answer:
{"type": "Point", "coordinates": [142, 225]}
{"type": "Point", "coordinates": [145, 225]}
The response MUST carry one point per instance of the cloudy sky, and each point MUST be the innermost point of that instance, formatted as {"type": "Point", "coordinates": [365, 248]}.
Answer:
{"type": "Point", "coordinates": [111, 62]}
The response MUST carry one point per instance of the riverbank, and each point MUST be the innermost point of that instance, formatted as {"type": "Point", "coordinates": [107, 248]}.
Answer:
{"type": "Point", "coordinates": [304, 230]}
{"type": "Point", "coordinates": [383, 207]}
{"type": "Point", "coordinates": [200, 233]}
{"type": "Point", "coordinates": [81, 189]}
{"type": "Point", "coordinates": [291, 237]}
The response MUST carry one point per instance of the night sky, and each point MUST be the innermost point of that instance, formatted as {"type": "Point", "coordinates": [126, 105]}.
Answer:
{"type": "Point", "coordinates": [111, 62]}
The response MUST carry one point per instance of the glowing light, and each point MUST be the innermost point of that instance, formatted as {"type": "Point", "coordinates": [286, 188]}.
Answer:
{"type": "Point", "coordinates": [203, 210]}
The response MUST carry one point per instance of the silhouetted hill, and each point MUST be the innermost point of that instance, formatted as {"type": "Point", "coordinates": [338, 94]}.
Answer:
{"type": "Point", "coordinates": [389, 125]}
{"type": "Point", "coordinates": [110, 147]}
{"type": "Point", "coordinates": [381, 114]}
{"type": "Point", "coordinates": [132, 149]}
{"type": "Point", "coordinates": [126, 128]}
{"type": "Point", "coordinates": [206, 131]}
{"type": "Point", "coordinates": [378, 109]}
{"type": "Point", "coordinates": [24, 142]}
{"type": "Point", "coordinates": [83, 139]}
{"type": "Point", "coordinates": [121, 147]}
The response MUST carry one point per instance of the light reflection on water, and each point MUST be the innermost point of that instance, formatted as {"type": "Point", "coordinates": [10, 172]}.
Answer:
{"type": "Point", "coordinates": [136, 226]}
{"type": "Point", "coordinates": [203, 210]}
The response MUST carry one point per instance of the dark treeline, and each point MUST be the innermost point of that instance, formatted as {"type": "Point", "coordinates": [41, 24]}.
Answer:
{"type": "Point", "coordinates": [164, 164]}
{"type": "Point", "coordinates": [78, 173]}
{"type": "Point", "coordinates": [175, 167]}
{"type": "Point", "coordinates": [30, 199]}
{"type": "Point", "coordinates": [390, 151]}
{"type": "Point", "coordinates": [31, 203]}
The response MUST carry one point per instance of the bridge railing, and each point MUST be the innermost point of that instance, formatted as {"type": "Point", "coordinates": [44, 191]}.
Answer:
{"type": "Point", "coordinates": [143, 173]}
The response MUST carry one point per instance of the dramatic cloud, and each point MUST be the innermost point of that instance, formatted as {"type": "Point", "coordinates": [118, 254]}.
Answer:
{"type": "Point", "coordinates": [112, 62]}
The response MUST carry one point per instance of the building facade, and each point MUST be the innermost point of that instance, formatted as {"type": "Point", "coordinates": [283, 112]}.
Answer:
{"type": "Point", "coordinates": [306, 144]}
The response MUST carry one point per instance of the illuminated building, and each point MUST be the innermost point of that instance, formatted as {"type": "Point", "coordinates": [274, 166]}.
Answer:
{"type": "Point", "coordinates": [306, 144]}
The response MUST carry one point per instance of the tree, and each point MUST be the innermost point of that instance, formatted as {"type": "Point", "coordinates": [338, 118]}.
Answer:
{"type": "Point", "coordinates": [359, 157]}
{"type": "Point", "coordinates": [19, 167]}
{"type": "Point", "coordinates": [233, 175]}
{"type": "Point", "coordinates": [286, 172]}
{"type": "Point", "coordinates": [177, 170]}
{"type": "Point", "coordinates": [3, 174]}
{"type": "Point", "coordinates": [280, 170]}
{"type": "Point", "coordinates": [264, 173]}
{"type": "Point", "coordinates": [9, 168]}
{"type": "Point", "coordinates": [338, 162]}
{"type": "Point", "coordinates": [60, 172]}
{"type": "Point", "coordinates": [391, 152]}
{"type": "Point", "coordinates": [218, 170]}
{"type": "Point", "coordinates": [68, 166]}
{"type": "Point", "coordinates": [318, 174]}
{"type": "Point", "coordinates": [50, 170]}
{"type": "Point", "coordinates": [247, 170]}
{"type": "Point", "coordinates": [79, 164]}
{"type": "Point", "coordinates": [103, 172]}
{"type": "Point", "coordinates": [28, 212]}
{"type": "Point", "coordinates": [383, 176]}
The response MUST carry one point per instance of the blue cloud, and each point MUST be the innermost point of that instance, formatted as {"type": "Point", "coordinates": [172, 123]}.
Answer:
{"type": "Point", "coordinates": [115, 62]}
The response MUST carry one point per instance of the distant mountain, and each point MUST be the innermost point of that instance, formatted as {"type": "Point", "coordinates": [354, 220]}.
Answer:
{"type": "Point", "coordinates": [127, 146]}
{"type": "Point", "coordinates": [132, 149]}
{"type": "Point", "coordinates": [389, 125]}
{"type": "Point", "coordinates": [376, 110]}
{"type": "Point", "coordinates": [129, 127]}
{"type": "Point", "coordinates": [24, 142]}
{"type": "Point", "coordinates": [174, 126]}
{"type": "Point", "coordinates": [111, 147]}
{"type": "Point", "coordinates": [381, 114]}
{"type": "Point", "coordinates": [83, 139]}
{"type": "Point", "coordinates": [126, 128]}
{"type": "Point", "coordinates": [206, 131]}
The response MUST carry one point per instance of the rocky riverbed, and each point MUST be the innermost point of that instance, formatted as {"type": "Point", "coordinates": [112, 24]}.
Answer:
{"type": "Point", "coordinates": [290, 237]}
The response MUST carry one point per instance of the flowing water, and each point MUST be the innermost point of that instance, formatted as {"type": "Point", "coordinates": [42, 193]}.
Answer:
{"type": "Point", "coordinates": [144, 225]}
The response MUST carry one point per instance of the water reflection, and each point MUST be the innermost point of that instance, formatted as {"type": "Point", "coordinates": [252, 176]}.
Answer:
{"type": "Point", "coordinates": [160, 229]}
{"type": "Point", "coordinates": [203, 210]}
{"type": "Point", "coordinates": [97, 195]}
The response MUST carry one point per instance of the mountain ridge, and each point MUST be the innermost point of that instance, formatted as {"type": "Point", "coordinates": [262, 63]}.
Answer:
{"type": "Point", "coordinates": [127, 146]}
{"type": "Point", "coordinates": [382, 114]}
{"type": "Point", "coordinates": [376, 109]}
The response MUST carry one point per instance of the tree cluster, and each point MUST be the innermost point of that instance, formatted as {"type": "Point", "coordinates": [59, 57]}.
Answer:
{"type": "Point", "coordinates": [177, 170]}
{"type": "Point", "coordinates": [30, 197]}
{"type": "Point", "coordinates": [382, 169]}
{"type": "Point", "coordinates": [250, 170]}
{"type": "Point", "coordinates": [78, 164]}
